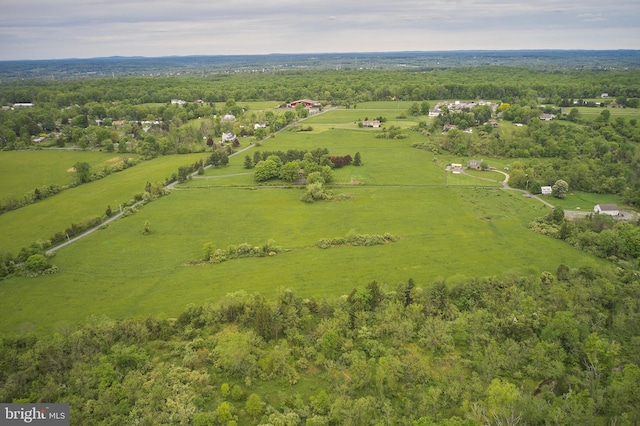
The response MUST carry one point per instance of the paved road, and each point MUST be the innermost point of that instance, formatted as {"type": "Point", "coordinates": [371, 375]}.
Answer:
{"type": "Point", "coordinates": [90, 231]}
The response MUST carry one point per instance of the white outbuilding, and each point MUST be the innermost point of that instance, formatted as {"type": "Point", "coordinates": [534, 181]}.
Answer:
{"type": "Point", "coordinates": [610, 209]}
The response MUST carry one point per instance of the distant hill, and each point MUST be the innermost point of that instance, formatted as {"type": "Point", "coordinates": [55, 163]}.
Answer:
{"type": "Point", "coordinates": [204, 65]}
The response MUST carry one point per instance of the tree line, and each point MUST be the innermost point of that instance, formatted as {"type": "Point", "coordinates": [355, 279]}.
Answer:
{"type": "Point", "coordinates": [486, 82]}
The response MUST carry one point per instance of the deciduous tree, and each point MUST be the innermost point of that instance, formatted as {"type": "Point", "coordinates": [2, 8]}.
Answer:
{"type": "Point", "coordinates": [560, 189]}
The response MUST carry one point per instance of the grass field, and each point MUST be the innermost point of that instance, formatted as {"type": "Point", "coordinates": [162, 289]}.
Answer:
{"type": "Point", "coordinates": [444, 232]}
{"type": "Point", "coordinates": [22, 171]}
{"type": "Point", "coordinates": [592, 113]}
{"type": "Point", "coordinates": [448, 226]}
{"type": "Point", "coordinates": [576, 200]}
{"type": "Point", "coordinates": [41, 220]}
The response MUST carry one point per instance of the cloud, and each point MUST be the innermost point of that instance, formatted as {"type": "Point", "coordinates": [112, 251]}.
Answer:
{"type": "Point", "coordinates": [591, 17]}
{"type": "Point", "coordinates": [86, 28]}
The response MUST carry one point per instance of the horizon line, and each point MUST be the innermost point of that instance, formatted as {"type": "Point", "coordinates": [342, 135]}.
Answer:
{"type": "Point", "coordinates": [317, 53]}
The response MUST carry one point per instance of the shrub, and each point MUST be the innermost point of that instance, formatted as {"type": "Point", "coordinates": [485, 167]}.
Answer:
{"type": "Point", "coordinates": [207, 251]}
{"type": "Point", "coordinates": [37, 265]}
{"type": "Point", "coordinates": [244, 249]}
{"type": "Point", "coordinates": [315, 192]}
{"type": "Point", "coordinates": [324, 243]}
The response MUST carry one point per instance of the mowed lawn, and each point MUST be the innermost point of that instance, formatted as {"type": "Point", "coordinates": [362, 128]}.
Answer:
{"type": "Point", "coordinates": [40, 221]}
{"type": "Point", "coordinates": [447, 227]}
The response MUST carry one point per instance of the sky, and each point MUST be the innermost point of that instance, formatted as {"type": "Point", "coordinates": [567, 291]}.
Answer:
{"type": "Point", "coordinates": [45, 29]}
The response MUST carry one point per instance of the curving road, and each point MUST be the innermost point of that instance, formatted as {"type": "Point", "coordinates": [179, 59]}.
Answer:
{"type": "Point", "coordinates": [505, 185]}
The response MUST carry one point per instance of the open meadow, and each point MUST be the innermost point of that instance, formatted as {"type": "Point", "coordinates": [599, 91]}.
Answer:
{"type": "Point", "coordinates": [41, 220]}
{"type": "Point", "coordinates": [446, 226]}
{"type": "Point", "coordinates": [23, 171]}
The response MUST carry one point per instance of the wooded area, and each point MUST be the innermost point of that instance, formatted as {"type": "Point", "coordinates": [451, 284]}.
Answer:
{"type": "Point", "coordinates": [561, 348]}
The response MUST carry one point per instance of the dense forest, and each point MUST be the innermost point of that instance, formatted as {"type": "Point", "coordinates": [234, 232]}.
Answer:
{"type": "Point", "coordinates": [561, 348]}
{"type": "Point", "coordinates": [491, 82]}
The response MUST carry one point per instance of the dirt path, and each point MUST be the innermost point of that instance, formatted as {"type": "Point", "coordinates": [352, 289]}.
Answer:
{"type": "Point", "coordinates": [505, 185]}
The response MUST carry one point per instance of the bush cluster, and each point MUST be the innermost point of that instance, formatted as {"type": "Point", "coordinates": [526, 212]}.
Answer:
{"type": "Point", "coordinates": [316, 192]}
{"type": "Point", "coordinates": [597, 234]}
{"type": "Point", "coordinates": [36, 265]}
{"type": "Point", "coordinates": [427, 146]}
{"type": "Point", "coordinates": [353, 239]}
{"type": "Point", "coordinates": [214, 255]}
{"type": "Point", "coordinates": [299, 128]}
{"type": "Point", "coordinates": [391, 132]}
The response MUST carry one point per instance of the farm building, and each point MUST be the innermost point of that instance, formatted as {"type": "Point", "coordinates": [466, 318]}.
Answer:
{"type": "Point", "coordinates": [228, 118]}
{"type": "Point", "coordinates": [475, 164]}
{"type": "Point", "coordinates": [455, 168]}
{"type": "Point", "coordinates": [371, 123]}
{"type": "Point", "coordinates": [308, 103]}
{"type": "Point", "coordinates": [546, 190]}
{"type": "Point", "coordinates": [610, 209]}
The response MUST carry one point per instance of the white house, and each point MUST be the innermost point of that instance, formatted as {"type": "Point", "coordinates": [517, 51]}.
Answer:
{"type": "Point", "coordinates": [610, 209]}
{"type": "Point", "coordinates": [228, 118]}
{"type": "Point", "coordinates": [546, 190]}
{"type": "Point", "coordinates": [228, 137]}
{"type": "Point", "coordinates": [371, 123]}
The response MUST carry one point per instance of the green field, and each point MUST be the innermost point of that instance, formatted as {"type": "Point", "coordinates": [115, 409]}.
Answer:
{"type": "Point", "coordinates": [447, 226]}
{"type": "Point", "coordinates": [592, 113]}
{"type": "Point", "coordinates": [23, 171]}
{"type": "Point", "coordinates": [576, 200]}
{"type": "Point", "coordinates": [41, 220]}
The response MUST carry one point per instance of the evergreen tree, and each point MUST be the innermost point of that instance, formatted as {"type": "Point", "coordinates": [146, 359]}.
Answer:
{"type": "Point", "coordinates": [248, 164]}
{"type": "Point", "coordinates": [357, 161]}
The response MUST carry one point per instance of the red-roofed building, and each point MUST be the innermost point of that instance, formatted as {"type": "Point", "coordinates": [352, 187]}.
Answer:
{"type": "Point", "coordinates": [308, 103]}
